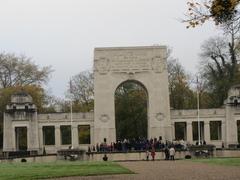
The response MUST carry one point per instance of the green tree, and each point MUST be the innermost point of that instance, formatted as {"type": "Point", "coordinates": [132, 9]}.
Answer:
{"type": "Point", "coordinates": [181, 95]}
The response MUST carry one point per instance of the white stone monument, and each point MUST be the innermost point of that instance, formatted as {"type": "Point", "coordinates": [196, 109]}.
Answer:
{"type": "Point", "coordinates": [145, 65]}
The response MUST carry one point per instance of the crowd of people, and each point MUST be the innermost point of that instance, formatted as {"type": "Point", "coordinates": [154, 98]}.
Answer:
{"type": "Point", "coordinates": [141, 144]}
{"type": "Point", "coordinates": [138, 144]}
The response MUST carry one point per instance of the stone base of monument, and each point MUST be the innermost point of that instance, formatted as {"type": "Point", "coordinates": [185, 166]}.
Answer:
{"type": "Point", "coordinates": [131, 156]}
{"type": "Point", "coordinates": [19, 154]}
{"type": "Point", "coordinates": [202, 150]}
{"type": "Point", "coordinates": [70, 154]}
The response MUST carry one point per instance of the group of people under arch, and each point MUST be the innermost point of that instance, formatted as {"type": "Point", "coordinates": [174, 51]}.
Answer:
{"type": "Point", "coordinates": [150, 146]}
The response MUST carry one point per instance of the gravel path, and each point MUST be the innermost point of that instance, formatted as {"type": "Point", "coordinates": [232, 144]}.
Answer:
{"type": "Point", "coordinates": [171, 170]}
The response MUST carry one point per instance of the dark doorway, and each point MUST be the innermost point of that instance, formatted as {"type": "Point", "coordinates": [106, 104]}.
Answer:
{"type": "Point", "coordinates": [21, 138]}
{"type": "Point", "coordinates": [131, 104]}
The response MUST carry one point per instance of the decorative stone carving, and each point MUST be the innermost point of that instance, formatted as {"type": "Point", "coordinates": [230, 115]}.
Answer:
{"type": "Point", "coordinates": [160, 116]}
{"type": "Point", "coordinates": [158, 64]}
{"type": "Point", "coordinates": [131, 76]}
{"type": "Point", "coordinates": [104, 118]}
{"type": "Point", "coordinates": [102, 65]}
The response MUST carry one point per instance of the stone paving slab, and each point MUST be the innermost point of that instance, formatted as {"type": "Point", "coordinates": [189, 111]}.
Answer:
{"type": "Point", "coordinates": [170, 170]}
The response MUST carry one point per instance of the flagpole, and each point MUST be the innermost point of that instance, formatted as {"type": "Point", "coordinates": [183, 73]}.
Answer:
{"type": "Point", "coordinates": [198, 115]}
{"type": "Point", "coordinates": [71, 119]}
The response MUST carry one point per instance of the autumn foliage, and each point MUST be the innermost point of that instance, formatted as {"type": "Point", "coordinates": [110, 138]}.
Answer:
{"type": "Point", "coordinates": [220, 11]}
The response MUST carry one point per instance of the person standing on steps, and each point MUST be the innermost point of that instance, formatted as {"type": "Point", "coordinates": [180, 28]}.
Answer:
{"type": "Point", "coordinates": [166, 151]}
{"type": "Point", "coordinates": [153, 153]}
{"type": "Point", "coordinates": [172, 153]}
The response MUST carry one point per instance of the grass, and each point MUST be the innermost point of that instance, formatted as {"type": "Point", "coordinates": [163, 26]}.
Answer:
{"type": "Point", "coordinates": [26, 171]}
{"type": "Point", "coordinates": [220, 161]}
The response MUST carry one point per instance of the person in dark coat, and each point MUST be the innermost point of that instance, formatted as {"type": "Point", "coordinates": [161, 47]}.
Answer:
{"type": "Point", "coordinates": [167, 154]}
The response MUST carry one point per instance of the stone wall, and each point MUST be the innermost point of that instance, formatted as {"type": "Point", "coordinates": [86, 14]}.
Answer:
{"type": "Point", "coordinates": [59, 119]}
{"type": "Point", "coordinates": [205, 115]}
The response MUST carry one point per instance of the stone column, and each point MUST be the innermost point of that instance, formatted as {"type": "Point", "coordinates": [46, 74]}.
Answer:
{"type": "Point", "coordinates": [207, 132]}
{"type": "Point", "coordinates": [231, 126]}
{"type": "Point", "coordinates": [224, 132]}
{"type": "Point", "coordinates": [75, 136]}
{"type": "Point", "coordinates": [189, 132]}
{"type": "Point", "coordinates": [173, 130]}
{"type": "Point", "coordinates": [40, 135]}
{"type": "Point", "coordinates": [57, 137]}
{"type": "Point", "coordinates": [8, 134]}
{"type": "Point", "coordinates": [14, 139]}
{"type": "Point", "coordinates": [92, 135]}
{"type": "Point", "coordinates": [32, 129]}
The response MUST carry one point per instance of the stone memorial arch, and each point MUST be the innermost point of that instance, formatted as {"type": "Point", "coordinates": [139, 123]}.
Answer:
{"type": "Point", "coordinates": [145, 65]}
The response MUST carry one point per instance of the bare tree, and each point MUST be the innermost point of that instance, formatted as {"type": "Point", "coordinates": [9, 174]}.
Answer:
{"type": "Point", "coordinates": [82, 90]}
{"type": "Point", "coordinates": [181, 95]}
{"type": "Point", "coordinates": [219, 66]}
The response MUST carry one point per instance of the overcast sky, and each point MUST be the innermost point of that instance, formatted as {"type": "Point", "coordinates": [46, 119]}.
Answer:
{"type": "Point", "coordinates": [63, 33]}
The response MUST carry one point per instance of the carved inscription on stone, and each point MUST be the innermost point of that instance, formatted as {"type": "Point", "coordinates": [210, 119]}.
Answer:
{"type": "Point", "coordinates": [102, 65]}
{"type": "Point", "coordinates": [158, 64]}
{"type": "Point", "coordinates": [130, 63]}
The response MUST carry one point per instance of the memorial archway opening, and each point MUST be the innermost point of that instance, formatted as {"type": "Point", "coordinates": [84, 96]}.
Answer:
{"type": "Point", "coordinates": [131, 109]}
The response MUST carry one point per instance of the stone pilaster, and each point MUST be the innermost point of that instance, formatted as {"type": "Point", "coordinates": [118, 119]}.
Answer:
{"type": "Point", "coordinates": [189, 132]}
{"type": "Point", "coordinates": [8, 134]}
{"type": "Point", "coordinates": [224, 132]}
{"type": "Point", "coordinates": [173, 130]}
{"type": "Point", "coordinates": [75, 142]}
{"type": "Point", "coordinates": [207, 132]}
{"type": "Point", "coordinates": [57, 137]}
{"type": "Point", "coordinates": [40, 135]}
{"type": "Point", "coordinates": [92, 135]}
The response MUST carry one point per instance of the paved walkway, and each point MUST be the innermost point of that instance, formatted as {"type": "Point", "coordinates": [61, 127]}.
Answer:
{"type": "Point", "coordinates": [171, 170]}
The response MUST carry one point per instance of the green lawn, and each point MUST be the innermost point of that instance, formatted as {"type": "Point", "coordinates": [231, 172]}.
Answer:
{"type": "Point", "coordinates": [59, 169]}
{"type": "Point", "coordinates": [220, 161]}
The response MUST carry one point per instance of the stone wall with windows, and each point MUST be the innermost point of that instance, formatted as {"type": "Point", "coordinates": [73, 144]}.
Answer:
{"type": "Point", "coordinates": [57, 131]}
{"type": "Point", "coordinates": [184, 123]}
{"type": "Point", "coordinates": [220, 127]}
